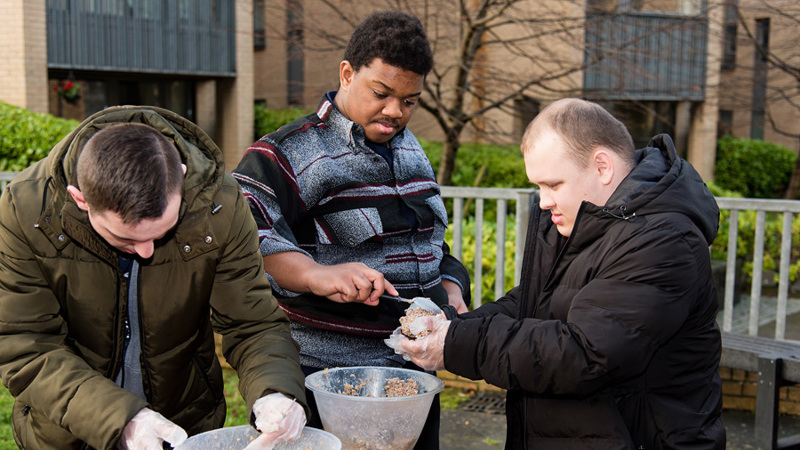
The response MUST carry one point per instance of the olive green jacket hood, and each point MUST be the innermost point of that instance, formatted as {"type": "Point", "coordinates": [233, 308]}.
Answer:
{"type": "Point", "coordinates": [63, 301]}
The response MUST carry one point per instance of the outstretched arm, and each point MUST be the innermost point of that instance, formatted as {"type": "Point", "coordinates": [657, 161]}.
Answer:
{"type": "Point", "coordinates": [342, 283]}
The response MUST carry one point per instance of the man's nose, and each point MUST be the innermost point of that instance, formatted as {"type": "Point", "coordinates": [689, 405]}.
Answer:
{"type": "Point", "coordinates": [545, 200]}
{"type": "Point", "coordinates": [144, 249]}
{"type": "Point", "coordinates": [392, 108]}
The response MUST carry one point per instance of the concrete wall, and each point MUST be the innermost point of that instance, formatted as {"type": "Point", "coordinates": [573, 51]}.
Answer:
{"type": "Point", "coordinates": [233, 125]}
{"type": "Point", "coordinates": [738, 82]}
{"type": "Point", "coordinates": [23, 52]}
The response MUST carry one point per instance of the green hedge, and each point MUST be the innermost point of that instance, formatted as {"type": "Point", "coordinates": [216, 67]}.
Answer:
{"type": "Point", "coordinates": [745, 238]}
{"type": "Point", "coordinates": [6, 435]}
{"type": "Point", "coordinates": [268, 120]}
{"type": "Point", "coordinates": [756, 169]}
{"type": "Point", "coordinates": [483, 165]}
{"type": "Point", "coordinates": [26, 137]}
{"type": "Point", "coordinates": [488, 255]}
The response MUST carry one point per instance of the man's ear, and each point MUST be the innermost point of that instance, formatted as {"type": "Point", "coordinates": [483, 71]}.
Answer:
{"type": "Point", "coordinates": [346, 74]}
{"type": "Point", "coordinates": [183, 166]}
{"type": "Point", "coordinates": [77, 195]}
{"type": "Point", "coordinates": [603, 164]}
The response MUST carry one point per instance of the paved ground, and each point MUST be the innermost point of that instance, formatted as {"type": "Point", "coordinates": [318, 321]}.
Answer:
{"type": "Point", "coordinates": [471, 427]}
{"type": "Point", "coordinates": [767, 312]}
{"type": "Point", "coordinates": [468, 430]}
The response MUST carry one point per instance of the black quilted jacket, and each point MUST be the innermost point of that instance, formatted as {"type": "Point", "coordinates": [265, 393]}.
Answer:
{"type": "Point", "coordinates": [610, 341]}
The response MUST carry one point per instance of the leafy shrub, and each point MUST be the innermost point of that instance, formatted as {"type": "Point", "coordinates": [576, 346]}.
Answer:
{"type": "Point", "coordinates": [26, 137]}
{"type": "Point", "coordinates": [483, 165]}
{"type": "Point", "coordinates": [6, 435]}
{"type": "Point", "coordinates": [268, 120]}
{"type": "Point", "coordinates": [755, 168]}
{"type": "Point", "coordinates": [488, 256]}
{"type": "Point", "coordinates": [745, 238]}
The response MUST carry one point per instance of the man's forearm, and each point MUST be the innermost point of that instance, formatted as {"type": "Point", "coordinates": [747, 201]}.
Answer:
{"type": "Point", "coordinates": [290, 270]}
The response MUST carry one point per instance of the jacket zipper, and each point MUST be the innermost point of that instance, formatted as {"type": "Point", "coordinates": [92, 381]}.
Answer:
{"type": "Point", "coordinates": [145, 374]}
{"type": "Point", "coordinates": [530, 246]}
{"type": "Point", "coordinates": [529, 249]}
{"type": "Point", "coordinates": [115, 365]}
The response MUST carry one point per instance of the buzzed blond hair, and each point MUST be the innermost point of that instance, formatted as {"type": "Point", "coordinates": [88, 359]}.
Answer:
{"type": "Point", "coordinates": [583, 126]}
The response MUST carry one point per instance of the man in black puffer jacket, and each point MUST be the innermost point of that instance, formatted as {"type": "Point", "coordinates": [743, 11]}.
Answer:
{"type": "Point", "coordinates": [610, 341]}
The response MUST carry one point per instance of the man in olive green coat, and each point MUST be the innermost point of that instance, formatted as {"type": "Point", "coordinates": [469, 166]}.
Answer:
{"type": "Point", "coordinates": [120, 253]}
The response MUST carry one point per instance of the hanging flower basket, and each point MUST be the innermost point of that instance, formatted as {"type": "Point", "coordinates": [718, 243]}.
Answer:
{"type": "Point", "coordinates": [70, 90]}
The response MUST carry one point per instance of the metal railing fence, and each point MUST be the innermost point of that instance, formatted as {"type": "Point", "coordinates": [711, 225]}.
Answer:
{"type": "Point", "coordinates": [761, 309]}
{"type": "Point", "coordinates": [786, 210]}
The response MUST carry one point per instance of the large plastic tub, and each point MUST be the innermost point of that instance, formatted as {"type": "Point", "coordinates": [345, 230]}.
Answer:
{"type": "Point", "coordinates": [237, 438]}
{"type": "Point", "coordinates": [369, 419]}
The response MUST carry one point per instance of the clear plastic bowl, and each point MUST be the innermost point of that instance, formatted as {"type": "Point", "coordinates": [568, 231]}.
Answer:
{"type": "Point", "coordinates": [237, 438]}
{"type": "Point", "coordinates": [370, 420]}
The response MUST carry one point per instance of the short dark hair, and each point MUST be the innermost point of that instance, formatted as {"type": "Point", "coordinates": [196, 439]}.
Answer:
{"type": "Point", "coordinates": [129, 169]}
{"type": "Point", "coordinates": [583, 126]}
{"type": "Point", "coordinates": [395, 37]}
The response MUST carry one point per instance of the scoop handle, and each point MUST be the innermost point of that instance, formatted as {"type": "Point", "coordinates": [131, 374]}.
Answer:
{"type": "Point", "coordinates": [397, 299]}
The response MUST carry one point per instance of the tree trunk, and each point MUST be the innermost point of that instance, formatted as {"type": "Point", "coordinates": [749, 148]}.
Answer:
{"type": "Point", "coordinates": [448, 162]}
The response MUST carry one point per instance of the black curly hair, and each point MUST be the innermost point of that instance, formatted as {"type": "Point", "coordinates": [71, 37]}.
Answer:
{"type": "Point", "coordinates": [395, 37]}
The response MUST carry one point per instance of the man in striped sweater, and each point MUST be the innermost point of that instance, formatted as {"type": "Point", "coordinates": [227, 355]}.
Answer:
{"type": "Point", "coordinates": [348, 207]}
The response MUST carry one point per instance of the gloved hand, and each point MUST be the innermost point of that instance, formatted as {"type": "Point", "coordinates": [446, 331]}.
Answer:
{"type": "Point", "coordinates": [279, 418]}
{"type": "Point", "coordinates": [428, 351]}
{"type": "Point", "coordinates": [148, 429]}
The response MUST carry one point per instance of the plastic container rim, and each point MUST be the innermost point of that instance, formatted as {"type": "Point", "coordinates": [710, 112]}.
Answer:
{"type": "Point", "coordinates": [316, 389]}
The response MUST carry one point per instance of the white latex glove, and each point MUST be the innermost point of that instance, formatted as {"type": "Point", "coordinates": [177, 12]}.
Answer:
{"type": "Point", "coordinates": [148, 429]}
{"type": "Point", "coordinates": [279, 418]}
{"type": "Point", "coordinates": [426, 352]}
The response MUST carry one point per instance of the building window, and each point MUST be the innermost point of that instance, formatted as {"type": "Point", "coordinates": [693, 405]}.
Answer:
{"type": "Point", "coordinates": [757, 125]}
{"type": "Point", "coordinates": [762, 40]}
{"type": "Point", "coordinates": [725, 125]}
{"type": "Point", "coordinates": [759, 79]}
{"type": "Point", "coordinates": [729, 43]}
{"type": "Point", "coordinates": [525, 109]}
{"type": "Point", "coordinates": [295, 75]}
{"type": "Point", "coordinates": [259, 25]}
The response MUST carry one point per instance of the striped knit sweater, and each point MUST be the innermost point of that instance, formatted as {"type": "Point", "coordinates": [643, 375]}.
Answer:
{"type": "Point", "coordinates": [316, 187]}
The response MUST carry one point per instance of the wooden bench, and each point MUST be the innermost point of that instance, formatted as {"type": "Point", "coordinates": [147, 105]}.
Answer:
{"type": "Point", "coordinates": [777, 363]}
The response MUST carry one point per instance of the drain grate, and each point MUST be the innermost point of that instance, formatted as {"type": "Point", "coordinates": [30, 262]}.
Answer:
{"type": "Point", "coordinates": [487, 402]}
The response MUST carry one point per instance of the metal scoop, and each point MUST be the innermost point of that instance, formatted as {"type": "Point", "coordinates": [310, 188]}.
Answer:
{"type": "Point", "coordinates": [422, 302]}
{"type": "Point", "coordinates": [395, 298]}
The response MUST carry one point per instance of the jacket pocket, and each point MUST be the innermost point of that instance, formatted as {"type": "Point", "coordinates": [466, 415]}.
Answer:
{"type": "Point", "coordinates": [202, 410]}
{"type": "Point", "coordinates": [210, 377]}
{"type": "Point", "coordinates": [34, 431]}
{"type": "Point", "coordinates": [349, 227]}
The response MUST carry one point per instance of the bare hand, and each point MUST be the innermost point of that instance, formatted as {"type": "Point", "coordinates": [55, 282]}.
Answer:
{"type": "Point", "coordinates": [350, 282]}
{"type": "Point", "coordinates": [454, 296]}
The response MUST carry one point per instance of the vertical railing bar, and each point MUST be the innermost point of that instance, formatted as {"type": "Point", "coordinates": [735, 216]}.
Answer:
{"type": "Point", "coordinates": [523, 216]}
{"type": "Point", "coordinates": [730, 270]}
{"type": "Point", "coordinates": [500, 266]}
{"type": "Point", "coordinates": [458, 228]}
{"type": "Point", "coordinates": [783, 276]}
{"type": "Point", "coordinates": [477, 281]}
{"type": "Point", "coordinates": [758, 268]}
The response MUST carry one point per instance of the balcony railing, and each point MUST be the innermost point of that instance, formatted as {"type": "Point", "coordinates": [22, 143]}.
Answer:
{"type": "Point", "coordinates": [196, 37]}
{"type": "Point", "coordinates": [645, 56]}
{"type": "Point", "coordinates": [742, 316]}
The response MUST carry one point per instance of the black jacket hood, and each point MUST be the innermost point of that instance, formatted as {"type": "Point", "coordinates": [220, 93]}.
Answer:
{"type": "Point", "coordinates": [664, 182]}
